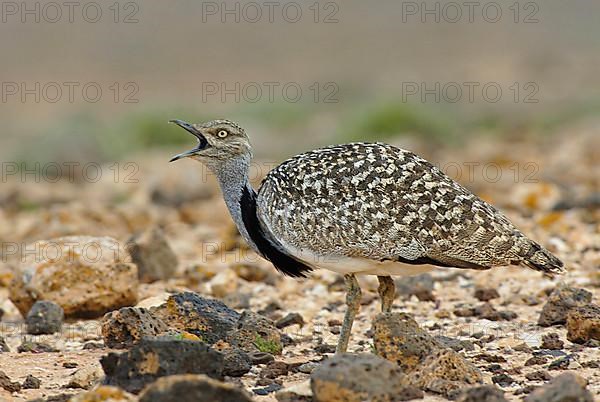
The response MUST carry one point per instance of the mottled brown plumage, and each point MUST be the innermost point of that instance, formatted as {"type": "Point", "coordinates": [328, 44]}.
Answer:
{"type": "Point", "coordinates": [376, 201]}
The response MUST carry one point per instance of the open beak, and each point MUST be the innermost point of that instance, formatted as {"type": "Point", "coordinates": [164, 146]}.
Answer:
{"type": "Point", "coordinates": [202, 142]}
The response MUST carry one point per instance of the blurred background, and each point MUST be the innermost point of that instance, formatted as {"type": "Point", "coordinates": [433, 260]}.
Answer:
{"type": "Point", "coordinates": [503, 96]}
{"type": "Point", "coordinates": [98, 80]}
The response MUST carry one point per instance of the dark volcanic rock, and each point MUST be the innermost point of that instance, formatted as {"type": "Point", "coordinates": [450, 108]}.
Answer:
{"type": "Point", "coordinates": [418, 285]}
{"type": "Point", "coordinates": [363, 377]}
{"type": "Point", "coordinates": [560, 364]}
{"type": "Point", "coordinates": [153, 256]}
{"type": "Point", "coordinates": [154, 358]}
{"type": "Point", "coordinates": [503, 379]}
{"type": "Point", "coordinates": [45, 317]}
{"type": "Point", "coordinates": [31, 382]}
{"type": "Point", "coordinates": [540, 375]}
{"type": "Point", "coordinates": [483, 393]}
{"type": "Point", "coordinates": [536, 360]}
{"type": "Point", "coordinates": [261, 357]}
{"type": "Point", "coordinates": [583, 324]}
{"type": "Point", "coordinates": [274, 369]}
{"type": "Point", "coordinates": [35, 347]}
{"type": "Point", "coordinates": [290, 319]}
{"type": "Point", "coordinates": [7, 384]}
{"type": "Point", "coordinates": [192, 388]}
{"type": "Point", "coordinates": [256, 333]}
{"type": "Point", "coordinates": [488, 312]}
{"type": "Point", "coordinates": [560, 301]}
{"type": "Point", "coordinates": [209, 319]}
{"type": "Point", "coordinates": [398, 338]}
{"type": "Point", "coordinates": [565, 387]}
{"type": "Point", "coordinates": [486, 294]}
{"type": "Point", "coordinates": [127, 326]}
{"type": "Point", "coordinates": [455, 344]}
{"type": "Point", "coordinates": [552, 342]}
{"type": "Point", "coordinates": [236, 362]}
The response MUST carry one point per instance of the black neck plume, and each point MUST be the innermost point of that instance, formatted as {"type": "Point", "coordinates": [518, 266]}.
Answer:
{"type": "Point", "coordinates": [267, 246]}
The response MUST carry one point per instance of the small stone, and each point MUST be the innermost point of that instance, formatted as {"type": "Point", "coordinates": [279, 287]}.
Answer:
{"type": "Point", "coordinates": [236, 362]}
{"type": "Point", "coordinates": [31, 382]}
{"type": "Point", "coordinates": [45, 317]}
{"type": "Point", "coordinates": [158, 357]}
{"type": "Point", "coordinates": [261, 357]}
{"type": "Point", "coordinates": [583, 324]}
{"type": "Point", "coordinates": [3, 346]}
{"type": "Point", "coordinates": [591, 364]}
{"type": "Point", "coordinates": [540, 375]}
{"type": "Point", "coordinates": [269, 389]}
{"type": "Point", "coordinates": [275, 369]}
{"type": "Point", "coordinates": [103, 393]}
{"type": "Point", "coordinates": [324, 348]}
{"type": "Point", "coordinates": [209, 319]}
{"type": "Point", "coordinates": [552, 342]}
{"type": "Point", "coordinates": [296, 393]}
{"type": "Point", "coordinates": [560, 364]}
{"type": "Point", "coordinates": [495, 368]}
{"type": "Point", "coordinates": [35, 347]}
{"type": "Point", "coordinates": [93, 345]}
{"type": "Point", "coordinates": [153, 256]}
{"type": "Point", "coordinates": [560, 301]}
{"type": "Point", "coordinates": [536, 361]}
{"type": "Point", "coordinates": [565, 387]}
{"type": "Point", "coordinates": [504, 380]}
{"type": "Point", "coordinates": [70, 365]}
{"type": "Point", "coordinates": [488, 312]}
{"type": "Point", "coordinates": [7, 384]}
{"type": "Point", "coordinates": [455, 344]}
{"type": "Point", "coordinates": [398, 338]}
{"type": "Point", "coordinates": [523, 347]}
{"type": "Point", "coordinates": [83, 286]}
{"type": "Point", "coordinates": [192, 388]}
{"type": "Point", "coordinates": [85, 377]}
{"type": "Point", "coordinates": [307, 368]}
{"type": "Point", "coordinates": [256, 333]}
{"type": "Point", "coordinates": [490, 358]}
{"type": "Point", "coordinates": [290, 319]}
{"type": "Point", "coordinates": [486, 294]}
{"type": "Point", "coordinates": [349, 377]}
{"type": "Point", "coordinates": [482, 393]}
{"type": "Point", "coordinates": [127, 326]}
{"type": "Point", "coordinates": [420, 286]}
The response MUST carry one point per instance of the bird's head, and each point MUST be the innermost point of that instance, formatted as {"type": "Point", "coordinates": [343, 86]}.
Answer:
{"type": "Point", "coordinates": [218, 141]}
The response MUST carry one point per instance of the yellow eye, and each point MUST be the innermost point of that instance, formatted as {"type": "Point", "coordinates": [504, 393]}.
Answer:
{"type": "Point", "coordinates": [222, 134]}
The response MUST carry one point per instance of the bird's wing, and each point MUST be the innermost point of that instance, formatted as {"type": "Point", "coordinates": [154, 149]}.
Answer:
{"type": "Point", "coordinates": [380, 202]}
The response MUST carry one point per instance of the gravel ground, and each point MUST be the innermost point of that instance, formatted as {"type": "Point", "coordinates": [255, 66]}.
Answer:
{"type": "Point", "coordinates": [559, 208]}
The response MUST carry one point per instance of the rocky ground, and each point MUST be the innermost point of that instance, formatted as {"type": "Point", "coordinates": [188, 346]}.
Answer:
{"type": "Point", "coordinates": [142, 290]}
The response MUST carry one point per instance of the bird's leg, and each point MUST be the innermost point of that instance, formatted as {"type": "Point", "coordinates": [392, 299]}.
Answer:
{"type": "Point", "coordinates": [387, 292]}
{"type": "Point", "coordinates": [353, 295]}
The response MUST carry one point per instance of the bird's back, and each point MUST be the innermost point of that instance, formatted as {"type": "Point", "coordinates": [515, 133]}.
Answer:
{"type": "Point", "coordinates": [379, 202]}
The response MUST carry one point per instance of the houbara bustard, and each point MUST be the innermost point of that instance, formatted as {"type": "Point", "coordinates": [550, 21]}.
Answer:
{"type": "Point", "coordinates": [359, 208]}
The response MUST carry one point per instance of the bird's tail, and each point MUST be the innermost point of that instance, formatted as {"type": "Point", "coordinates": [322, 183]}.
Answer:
{"type": "Point", "coordinates": [537, 257]}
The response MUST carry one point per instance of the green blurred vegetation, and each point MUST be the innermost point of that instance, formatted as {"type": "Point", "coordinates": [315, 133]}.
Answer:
{"type": "Point", "coordinates": [85, 136]}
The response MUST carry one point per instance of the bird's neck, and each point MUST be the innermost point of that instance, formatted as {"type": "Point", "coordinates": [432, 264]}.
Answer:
{"type": "Point", "coordinates": [237, 191]}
